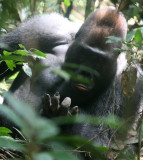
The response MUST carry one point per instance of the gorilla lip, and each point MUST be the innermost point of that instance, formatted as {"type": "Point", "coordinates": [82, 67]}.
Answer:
{"type": "Point", "coordinates": [82, 87]}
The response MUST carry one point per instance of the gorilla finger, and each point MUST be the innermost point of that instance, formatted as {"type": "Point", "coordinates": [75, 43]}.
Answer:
{"type": "Point", "coordinates": [64, 109]}
{"type": "Point", "coordinates": [66, 102]}
{"type": "Point", "coordinates": [75, 110]}
{"type": "Point", "coordinates": [46, 101]}
{"type": "Point", "coordinates": [55, 102]}
{"type": "Point", "coordinates": [57, 95]}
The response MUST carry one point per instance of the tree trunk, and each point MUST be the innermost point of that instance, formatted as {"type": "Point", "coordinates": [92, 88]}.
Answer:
{"type": "Point", "coordinates": [89, 7]}
{"type": "Point", "coordinates": [33, 6]}
{"type": "Point", "coordinates": [69, 9]}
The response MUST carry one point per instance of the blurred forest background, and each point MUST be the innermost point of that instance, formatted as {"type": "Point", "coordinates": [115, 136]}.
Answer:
{"type": "Point", "coordinates": [14, 12]}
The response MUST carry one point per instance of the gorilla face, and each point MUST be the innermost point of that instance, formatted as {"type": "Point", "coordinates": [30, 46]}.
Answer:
{"type": "Point", "coordinates": [101, 68]}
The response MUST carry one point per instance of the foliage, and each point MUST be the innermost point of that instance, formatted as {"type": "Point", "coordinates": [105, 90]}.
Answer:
{"type": "Point", "coordinates": [133, 47]}
{"type": "Point", "coordinates": [134, 43]}
{"type": "Point", "coordinates": [41, 135]}
{"type": "Point", "coordinates": [27, 58]}
{"type": "Point", "coordinates": [15, 11]}
{"type": "Point", "coordinates": [20, 57]}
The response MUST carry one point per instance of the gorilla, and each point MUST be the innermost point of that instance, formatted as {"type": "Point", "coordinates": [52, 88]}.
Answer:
{"type": "Point", "coordinates": [63, 44]}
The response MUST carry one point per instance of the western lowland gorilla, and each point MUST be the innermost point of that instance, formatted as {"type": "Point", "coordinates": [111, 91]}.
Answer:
{"type": "Point", "coordinates": [104, 95]}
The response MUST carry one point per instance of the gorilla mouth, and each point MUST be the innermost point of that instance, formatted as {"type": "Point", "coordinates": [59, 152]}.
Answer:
{"type": "Point", "coordinates": [82, 87]}
{"type": "Point", "coordinates": [85, 81]}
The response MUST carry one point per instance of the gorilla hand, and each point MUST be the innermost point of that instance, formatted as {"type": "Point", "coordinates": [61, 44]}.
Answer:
{"type": "Point", "coordinates": [51, 106]}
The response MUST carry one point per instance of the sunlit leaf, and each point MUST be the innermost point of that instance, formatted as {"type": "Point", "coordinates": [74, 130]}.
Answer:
{"type": "Point", "coordinates": [27, 69]}
{"type": "Point", "coordinates": [4, 86]}
{"type": "Point", "coordinates": [6, 53]}
{"type": "Point", "coordinates": [11, 65]}
{"type": "Point", "coordinates": [138, 36]}
{"type": "Point", "coordinates": [21, 46]}
{"type": "Point", "coordinates": [14, 76]}
{"type": "Point", "coordinates": [5, 131]}
{"type": "Point", "coordinates": [67, 3]}
{"type": "Point", "coordinates": [22, 52]}
{"type": "Point", "coordinates": [39, 53]}
{"type": "Point", "coordinates": [13, 57]}
{"type": "Point", "coordinates": [130, 35]}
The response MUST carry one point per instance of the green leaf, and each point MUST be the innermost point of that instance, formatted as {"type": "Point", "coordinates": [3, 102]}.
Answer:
{"type": "Point", "coordinates": [11, 65]}
{"type": "Point", "coordinates": [62, 73]}
{"type": "Point", "coordinates": [68, 74]}
{"type": "Point", "coordinates": [21, 46]}
{"type": "Point", "coordinates": [6, 53]}
{"type": "Point", "coordinates": [67, 3]}
{"type": "Point", "coordinates": [13, 76]}
{"type": "Point", "coordinates": [113, 39]}
{"type": "Point", "coordinates": [44, 128]}
{"type": "Point", "coordinates": [25, 117]}
{"type": "Point", "coordinates": [61, 155]}
{"type": "Point", "coordinates": [142, 30]}
{"type": "Point", "coordinates": [130, 35]}
{"type": "Point", "coordinates": [39, 53]}
{"type": "Point", "coordinates": [4, 86]}
{"type": "Point", "coordinates": [10, 143]}
{"type": "Point", "coordinates": [13, 57]}
{"type": "Point", "coordinates": [85, 144]}
{"type": "Point", "coordinates": [109, 121]}
{"type": "Point", "coordinates": [5, 131]}
{"type": "Point", "coordinates": [79, 78]}
{"type": "Point", "coordinates": [138, 36]}
{"type": "Point", "coordinates": [27, 69]}
{"type": "Point", "coordinates": [81, 67]}
{"type": "Point", "coordinates": [22, 52]}
{"type": "Point", "coordinates": [11, 115]}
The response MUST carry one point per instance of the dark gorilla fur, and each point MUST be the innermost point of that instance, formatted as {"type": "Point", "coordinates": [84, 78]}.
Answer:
{"type": "Point", "coordinates": [89, 48]}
